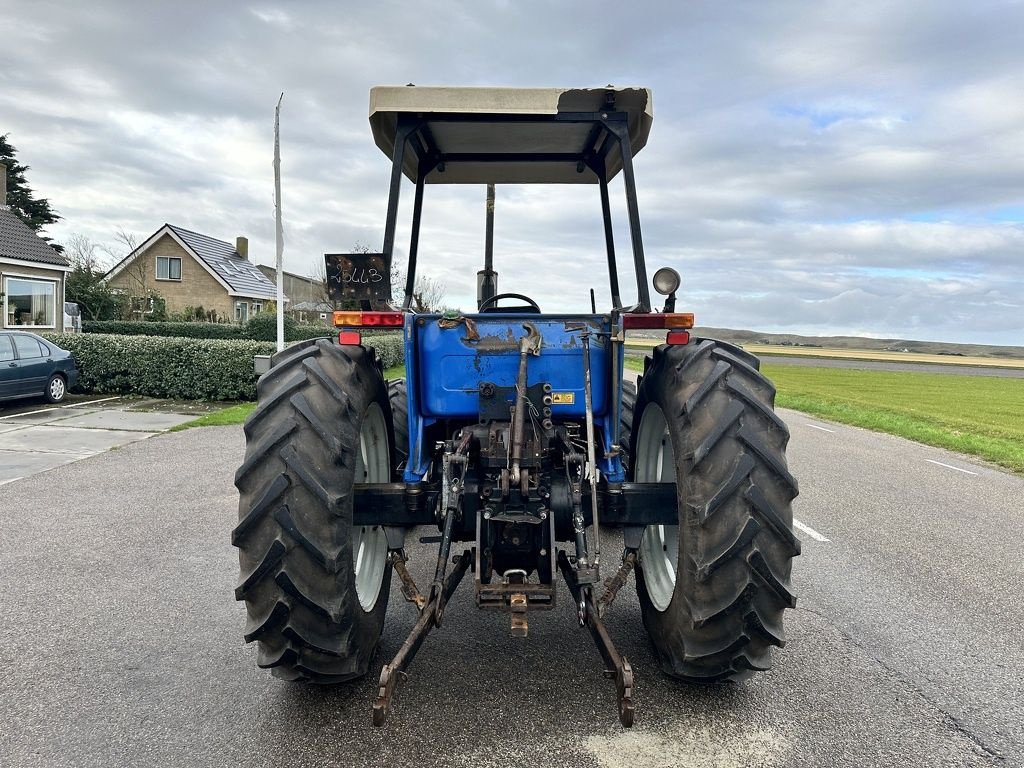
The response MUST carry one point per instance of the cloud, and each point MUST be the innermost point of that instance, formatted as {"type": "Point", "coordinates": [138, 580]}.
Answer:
{"type": "Point", "coordinates": [816, 167]}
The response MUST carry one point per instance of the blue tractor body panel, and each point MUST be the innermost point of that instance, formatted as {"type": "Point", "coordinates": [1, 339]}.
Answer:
{"type": "Point", "coordinates": [447, 361]}
{"type": "Point", "coordinates": [453, 364]}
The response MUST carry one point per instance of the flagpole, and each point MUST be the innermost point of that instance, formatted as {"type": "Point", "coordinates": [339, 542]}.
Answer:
{"type": "Point", "coordinates": [277, 223]}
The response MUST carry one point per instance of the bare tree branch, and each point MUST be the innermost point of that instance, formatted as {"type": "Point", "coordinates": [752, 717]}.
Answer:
{"type": "Point", "coordinates": [83, 253]}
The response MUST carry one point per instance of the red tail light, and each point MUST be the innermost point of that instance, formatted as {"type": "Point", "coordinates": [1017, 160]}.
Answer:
{"type": "Point", "coordinates": [350, 338]}
{"type": "Point", "coordinates": [677, 337]}
{"type": "Point", "coordinates": [657, 320]}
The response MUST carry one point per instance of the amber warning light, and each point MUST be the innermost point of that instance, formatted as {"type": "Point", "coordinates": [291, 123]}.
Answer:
{"type": "Point", "coordinates": [354, 319]}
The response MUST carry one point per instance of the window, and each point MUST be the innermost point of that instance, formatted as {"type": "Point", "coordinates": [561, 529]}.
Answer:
{"type": "Point", "coordinates": [257, 307]}
{"type": "Point", "coordinates": [241, 311]}
{"type": "Point", "coordinates": [168, 268]}
{"type": "Point", "coordinates": [30, 302]}
{"type": "Point", "coordinates": [147, 305]}
{"type": "Point", "coordinates": [28, 347]}
{"type": "Point", "coordinates": [6, 348]}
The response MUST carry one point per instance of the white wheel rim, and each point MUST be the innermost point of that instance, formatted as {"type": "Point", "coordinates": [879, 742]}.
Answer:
{"type": "Point", "coordinates": [57, 388]}
{"type": "Point", "coordinates": [369, 544]}
{"type": "Point", "coordinates": [659, 548]}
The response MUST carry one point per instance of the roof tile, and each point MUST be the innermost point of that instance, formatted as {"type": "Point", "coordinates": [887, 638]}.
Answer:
{"type": "Point", "coordinates": [241, 274]}
{"type": "Point", "coordinates": [19, 241]}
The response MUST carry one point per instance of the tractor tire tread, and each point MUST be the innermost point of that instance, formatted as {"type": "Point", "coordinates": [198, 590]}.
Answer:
{"type": "Point", "coordinates": [626, 421]}
{"type": "Point", "coordinates": [295, 511]}
{"type": "Point", "coordinates": [735, 516]}
{"type": "Point", "coordinates": [398, 395]}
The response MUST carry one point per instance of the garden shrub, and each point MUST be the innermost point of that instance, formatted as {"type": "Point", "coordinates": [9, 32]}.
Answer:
{"type": "Point", "coordinates": [263, 327]}
{"type": "Point", "coordinates": [389, 346]}
{"type": "Point", "coordinates": [180, 368]}
{"type": "Point", "coordinates": [183, 330]}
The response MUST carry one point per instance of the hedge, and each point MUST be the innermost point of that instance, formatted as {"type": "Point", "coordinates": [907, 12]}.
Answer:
{"type": "Point", "coordinates": [183, 330]}
{"type": "Point", "coordinates": [182, 369]}
{"type": "Point", "coordinates": [389, 346]}
{"type": "Point", "coordinates": [256, 329]}
{"type": "Point", "coordinates": [178, 368]}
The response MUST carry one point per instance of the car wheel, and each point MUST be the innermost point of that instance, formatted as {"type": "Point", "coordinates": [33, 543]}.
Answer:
{"type": "Point", "coordinates": [56, 389]}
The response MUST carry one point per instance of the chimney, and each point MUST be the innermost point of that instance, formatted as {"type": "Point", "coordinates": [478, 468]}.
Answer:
{"type": "Point", "coordinates": [3, 185]}
{"type": "Point", "coordinates": [242, 246]}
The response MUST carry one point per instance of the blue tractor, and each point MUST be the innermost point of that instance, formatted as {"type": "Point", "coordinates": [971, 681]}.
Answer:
{"type": "Point", "coordinates": [515, 433]}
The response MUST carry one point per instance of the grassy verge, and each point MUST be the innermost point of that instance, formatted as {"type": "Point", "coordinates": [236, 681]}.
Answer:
{"type": "Point", "coordinates": [976, 415]}
{"type": "Point", "coordinates": [237, 414]}
{"type": "Point", "coordinates": [233, 414]}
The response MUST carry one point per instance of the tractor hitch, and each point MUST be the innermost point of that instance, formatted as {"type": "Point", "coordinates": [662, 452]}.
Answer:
{"type": "Point", "coordinates": [390, 674]}
{"type": "Point", "coordinates": [618, 665]}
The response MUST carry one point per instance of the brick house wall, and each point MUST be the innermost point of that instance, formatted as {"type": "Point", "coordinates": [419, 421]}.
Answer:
{"type": "Point", "coordinates": [197, 287]}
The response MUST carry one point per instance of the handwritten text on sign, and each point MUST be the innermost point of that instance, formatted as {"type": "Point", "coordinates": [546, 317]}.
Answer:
{"type": "Point", "coordinates": [359, 277]}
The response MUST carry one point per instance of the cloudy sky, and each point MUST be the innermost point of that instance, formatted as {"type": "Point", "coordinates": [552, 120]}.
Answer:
{"type": "Point", "coordinates": [820, 167]}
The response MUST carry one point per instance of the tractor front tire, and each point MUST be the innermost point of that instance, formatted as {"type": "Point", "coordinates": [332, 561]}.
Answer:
{"type": "Point", "coordinates": [315, 587]}
{"type": "Point", "coordinates": [714, 587]}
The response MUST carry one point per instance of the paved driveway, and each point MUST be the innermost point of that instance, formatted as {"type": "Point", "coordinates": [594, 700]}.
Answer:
{"type": "Point", "coordinates": [121, 641]}
{"type": "Point", "coordinates": [36, 437]}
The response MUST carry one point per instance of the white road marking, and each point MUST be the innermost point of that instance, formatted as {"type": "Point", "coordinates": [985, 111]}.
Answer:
{"type": "Point", "coordinates": [90, 402]}
{"type": "Point", "coordinates": [815, 426]}
{"type": "Point", "coordinates": [950, 466]}
{"type": "Point", "coordinates": [59, 407]}
{"type": "Point", "coordinates": [809, 531]}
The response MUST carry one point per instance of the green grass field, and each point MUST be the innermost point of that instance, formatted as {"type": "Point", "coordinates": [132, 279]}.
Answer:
{"type": "Point", "coordinates": [981, 416]}
{"type": "Point", "coordinates": [978, 415]}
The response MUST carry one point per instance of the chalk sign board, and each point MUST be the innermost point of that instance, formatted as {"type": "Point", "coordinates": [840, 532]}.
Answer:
{"type": "Point", "coordinates": [363, 278]}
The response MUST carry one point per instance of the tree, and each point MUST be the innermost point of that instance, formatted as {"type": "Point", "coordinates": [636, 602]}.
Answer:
{"type": "Point", "coordinates": [427, 295]}
{"type": "Point", "coordinates": [84, 283]}
{"type": "Point", "coordinates": [35, 212]}
{"type": "Point", "coordinates": [81, 251]}
{"type": "Point", "coordinates": [319, 275]}
{"type": "Point", "coordinates": [146, 302]}
{"type": "Point", "coordinates": [136, 272]}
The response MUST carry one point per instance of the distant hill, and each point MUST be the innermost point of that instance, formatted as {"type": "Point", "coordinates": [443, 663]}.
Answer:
{"type": "Point", "coordinates": [857, 342]}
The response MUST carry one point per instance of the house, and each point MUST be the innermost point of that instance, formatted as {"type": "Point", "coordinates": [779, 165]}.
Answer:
{"type": "Point", "coordinates": [190, 270]}
{"type": "Point", "coordinates": [308, 296]}
{"type": "Point", "coordinates": [32, 274]}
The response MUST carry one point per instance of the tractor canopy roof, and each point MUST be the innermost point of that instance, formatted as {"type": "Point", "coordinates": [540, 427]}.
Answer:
{"type": "Point", "coordinates": [510, 135]}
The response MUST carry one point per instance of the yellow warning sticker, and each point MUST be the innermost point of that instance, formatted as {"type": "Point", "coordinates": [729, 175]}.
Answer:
{"type": "Point", "coordinates": [563, 398]}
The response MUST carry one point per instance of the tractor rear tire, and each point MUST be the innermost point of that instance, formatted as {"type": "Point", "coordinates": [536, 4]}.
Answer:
{"type": "Point", "coordinates": [315, 587]}
{"type": "Point", "coordinates": [714, 588]}
{"type": "Point", "coordinates": [399, 399]}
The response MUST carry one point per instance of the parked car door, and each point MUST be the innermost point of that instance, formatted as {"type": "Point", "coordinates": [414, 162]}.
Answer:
{"type": "Point", "coordinates": [34, 365]}
{"type": "Point", "coordinates": [9, 381]}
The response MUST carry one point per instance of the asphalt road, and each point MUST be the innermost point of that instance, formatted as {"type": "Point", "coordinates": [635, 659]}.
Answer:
{"type": "Point", "coordinates": [120, 641]}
